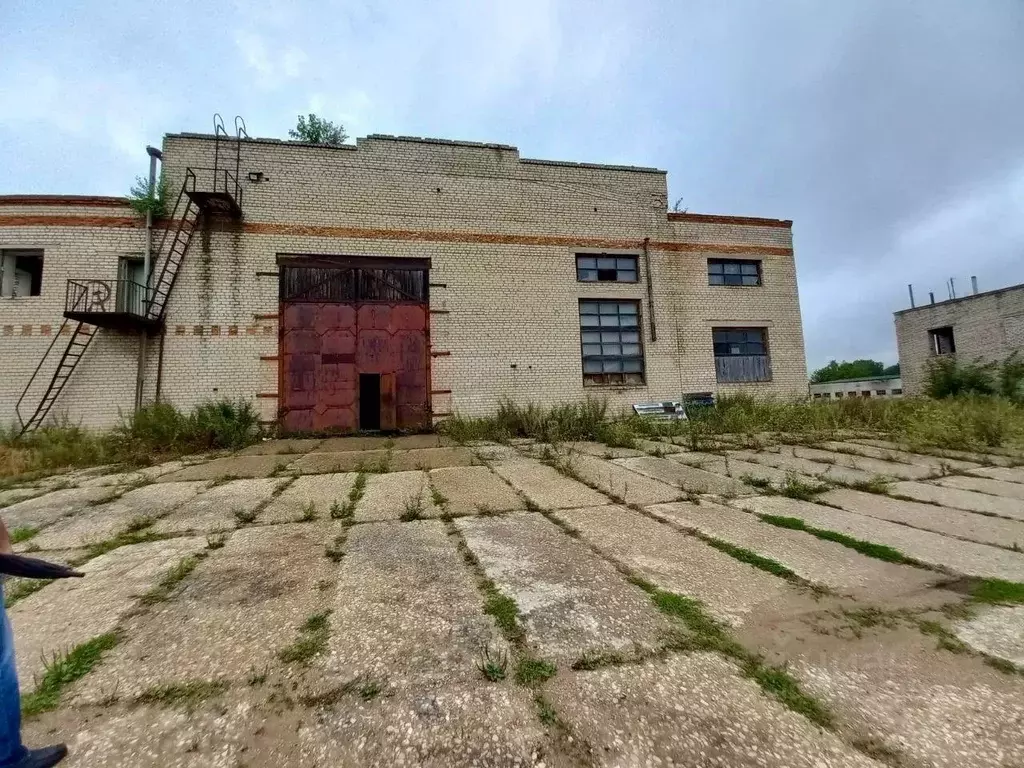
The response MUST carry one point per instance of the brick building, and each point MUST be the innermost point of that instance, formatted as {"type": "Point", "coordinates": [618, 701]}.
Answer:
{"type": "Point", "coordinates": [389, 282]}
{"type": "Point", "coordinates": [982, 327]}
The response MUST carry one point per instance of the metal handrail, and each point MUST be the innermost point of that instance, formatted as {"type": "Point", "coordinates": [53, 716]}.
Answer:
{"type": "Point", "coordinates": [94, 296]}
{"type": "Point", "coordinates": [32, 378]}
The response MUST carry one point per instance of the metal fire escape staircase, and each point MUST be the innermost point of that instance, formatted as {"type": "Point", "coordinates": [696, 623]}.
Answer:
{"type": "Point", "coordinates": [92, 304]}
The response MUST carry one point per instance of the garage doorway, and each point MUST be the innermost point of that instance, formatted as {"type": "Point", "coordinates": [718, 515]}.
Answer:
{"type": "Point", "coordinates": [369, 401]}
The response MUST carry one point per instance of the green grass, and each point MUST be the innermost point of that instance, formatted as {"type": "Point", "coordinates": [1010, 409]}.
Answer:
{"type": "Point", "coordinates": [597, 659]}
{"type": "Point", "coordinates": [134, 534]}
{"type": "Point", "coordinates": [412, 509]}
{"type": "Point", "coordinates": [493, 665]}
{"type": "Point", "coordinates": [187, 695]}
{"type": "Point", "coordinates": [312, 640]}
{"type": "Point", "coordinates": [545, 712]}
{"type": "Point", "coordinates": [63, 670]}
{"type": "Point", "coordinates": [504, 611]}
{"type": "Point", "coordinates": [877, 551]}
{"type": "Point", "coordinates": [1004, 666]}
{"type": "Point", "coordinates": [336, 549]}
{"type": "Point", "coordinates": [23, 533]}
{"type": "Point", "coordinates": [876, 484]}
{"type": "Point", "coordinates": [997, 591]}
{"type": "Point", "coordinates": [750, 558]}
{"type": "Point", "coordinates": [22, 589]}
{"type": "Point", "coordinates": [347, 510]}
{"type": "Point", "coordinates": [705, 633]}
{"type": "Point", "coordinates": [308, 512]}
{"type": "Point", "coordinates": [244, 516]}
{"type": "Point", "coordinates": [795, 488]}
{"type": "Point", "coordinates": [531, 670]}
{"type": "Point", "coordinates": [171, 579]}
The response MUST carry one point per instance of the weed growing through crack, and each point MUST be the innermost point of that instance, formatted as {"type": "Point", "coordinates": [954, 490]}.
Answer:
{"type": "Point", "coordinates": [257, 677]}
{"type": "Point", "coordinates": [244, 516]}
{"type": "Point", "coordinates": [998, 591]}
{"type": "Point", "coordinates": [762, 484]}
{"type": "Point", "coordinates": [877, 484]}
{"type": "Point", "coordinates": [347, 510]}
{"type": "Point", "coordinates": [222, 480]}
{"type": "Point", "coordinates": [532, 671]}
{"type": "Point", "coordinates": [1004, 666]}
{"type": "Point", "coordinates": [751, 558]}
{"type": "Point", "coordinates": [412, 510]}
{"type": "Point", "coordinates": [171, 579]}
{"type": "Point", "coordinates": [438, 498]}
{"type": "Point", "coordinates": [795, 488]}
{"type": "Point", "coordinates": [24, 533]}
{"type": "Point", "coordinates": [493, 665]}
{"type": "Point", "coordinates": [136, 532]}
{"type": "Point", "coordinates": [62, 670]}
{"type": "Point", "coordinates": [308, 512]}
{"type": "Point", "coordinates": [312, 641]}
{"type": "Point", "coordinates": [22, 589]}
{"type": "Point", "coordinates": [216, 540]}
{"type": "Point", "coordinates": [186, 695]}
{"type": "Point", "coordinates": [877, 551]}
{"type": "Point", "coordinates": [336, 549]}
{"type": "Point", "coordinates": [545, 712]}
{"type": "Point", "coordinates": [597, 659]}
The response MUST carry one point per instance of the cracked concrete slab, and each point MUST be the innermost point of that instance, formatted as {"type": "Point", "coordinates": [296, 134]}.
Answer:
{"type": "Point", "coordinates": [344, 461]}
{"type": "Point", "coordinates": [480, 725]}
{"type": "Point", "coordinates": [804, 466]}
{"type": "Point", "coordinates": [618, 479]}
{"type": "Point", "coordinates": [572, 602]}
{"type": "Point", "coordinates": [984, 485]}
{"type": "Point", "coordinates": [230, 466]}
{"type": "Point", "coordinates": [738, 469]}
{"type": "Point", "coordinates": [14, 495]}
{"type": "Point", "coordinates": [69, 612]}
{"type": "Point", "coordinates": [545, 486]}
{"type": "Point", "coordinates": [489, 452]}
{"type": "Point", "coordinates": [135, 476]}
{"type": "Point", "coordinates": [41, 511]}
{"type": "Point", "coordinates": [1006, 474]}
{"type": "Point", "coordinates": [320, 491]}
{"type": "Point", "coordinates": [876, 467]}
{"type": "Point", "coordinates": [104, 521]}
{"type": "Point", "coordinates": [659, 446]}
{"type": "Point", "coordinates": [407, 612]}
{"type": "Point", "coordinates": [233, 614]}
{"type": "Point", "coordinates": [819, 562]}
{"type": "Point", "coordinates": [952, 522]}
{"type": "Point", "coordinates": [216, 509]}
{"type": "Point", "coordinates": [977, 457]}
{"type": "Point", "coordinates": [709, 462]}
{"type": "Point", "coordinates": [432, 458]}
{"type": "Point", "coordinates": [679, 563]}
{"type": "Point", "coordinates": [997, 630]}
{"type": "Point", "coordinates": [276, 447]}
{"type": "Point", "coordinates": [931, 712]}
{"type": "Point", "coordinates": [468, 490]}
{"type": "Point", "coordinates": [682, 477]}
{"type": "Point", "coordinates": [693, 710]}
{"type": "Point", "coordinates": [954, 497]}
{"type": "Point", "coordinates": [896, 455]}
{"type": "Point", "coordinates": [600, 450]}
{"type": "Point", "coordinates": [345, 444]}
{"type": "Point", "coordinates": [963, 557]}
{"type": "Point", "coordinates": [388, 497]}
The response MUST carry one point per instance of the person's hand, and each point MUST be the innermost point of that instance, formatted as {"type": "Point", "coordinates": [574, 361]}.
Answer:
{"type": "Point", "coordinates": [5, 540]}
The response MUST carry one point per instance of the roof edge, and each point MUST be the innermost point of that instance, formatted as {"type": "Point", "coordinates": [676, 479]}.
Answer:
{"type": "Point", "coordinates": [958, 299]}
{"type": "Point", "coordinates": [82, 201]}
{"type": "Point", "coordinates": [714, 218]}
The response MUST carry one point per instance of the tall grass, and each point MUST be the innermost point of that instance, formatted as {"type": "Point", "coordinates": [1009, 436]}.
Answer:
{"type": "Point", "coordinates": [966, 422]}
{"type": "Point", "coordinates": [153, 433]}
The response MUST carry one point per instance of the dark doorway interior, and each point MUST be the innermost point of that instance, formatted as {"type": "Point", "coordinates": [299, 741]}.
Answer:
{"type": "Point", "coordinates": [369, 401]}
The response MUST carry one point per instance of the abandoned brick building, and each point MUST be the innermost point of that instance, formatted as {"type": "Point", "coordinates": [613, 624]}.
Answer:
{"type": "Point", "coordinates": [386, 284]}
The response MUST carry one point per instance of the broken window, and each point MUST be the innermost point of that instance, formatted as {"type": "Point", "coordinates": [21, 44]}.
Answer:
{"type": "Point", "coordinates": [733, 272]}
{"type": "Point", "coordinates": [941, 340]}
{"type": "Point", "coordinates": [610, 342]}
{"type": "Point", "coordinates": [741, 354]}
{"type": "Point", "coordinates": [21, 272]}
{"type": "Point", "coordinates": [601, 268]}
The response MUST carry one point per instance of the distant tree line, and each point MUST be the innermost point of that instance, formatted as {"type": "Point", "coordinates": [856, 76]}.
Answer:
{"type": "Point", "coordinates": [856, 369]}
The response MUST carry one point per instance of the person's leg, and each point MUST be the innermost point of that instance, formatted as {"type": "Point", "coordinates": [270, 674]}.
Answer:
{"type": "Point", "coordinates": [12, 751]}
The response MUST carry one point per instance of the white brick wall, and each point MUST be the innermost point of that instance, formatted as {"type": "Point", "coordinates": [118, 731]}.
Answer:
{"type": "Point", "coordinates": [501, 233]}
{"type": "Point", "coordinates": [986, 326]}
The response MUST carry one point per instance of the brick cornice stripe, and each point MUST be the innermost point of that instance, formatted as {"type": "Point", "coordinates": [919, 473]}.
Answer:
{"type": "Point", "coordinates": [80, 201]}
{"type": "Point", "coordinates": [408, 235]}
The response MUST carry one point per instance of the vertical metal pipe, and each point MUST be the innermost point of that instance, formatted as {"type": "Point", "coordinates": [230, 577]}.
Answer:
{"type": "Point", "coordinates": [147, 260]}
{"type": "Point", "coordinates": [974, 283]}
{"type": "Point", "coordinates": [650, 287]}
{"type": "Point", "coordinates": [910, 289]}
{"type": "Point", "coordinates": [931, 296]}
{"type": "Point", "coordinates": [952, 288]}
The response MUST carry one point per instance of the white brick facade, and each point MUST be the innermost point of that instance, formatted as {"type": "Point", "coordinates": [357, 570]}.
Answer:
{"type": "Point", "coordinates": [501, 233]}
{"type": "Point", "coordinates": [986, 327]}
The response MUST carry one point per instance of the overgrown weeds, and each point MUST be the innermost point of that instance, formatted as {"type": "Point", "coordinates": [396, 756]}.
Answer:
{"type": "Point", "coordinates": [186, 695]}
{"type": "Point", "coordinates": [171, 579]}
{"type": "Point", "coordinates": [62, 670]}
{"type": "Point", "coordinates": [312, 640]}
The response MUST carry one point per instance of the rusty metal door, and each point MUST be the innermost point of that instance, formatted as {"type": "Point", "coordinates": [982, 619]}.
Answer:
{"type": "Point", "coordinates": [337, 323]}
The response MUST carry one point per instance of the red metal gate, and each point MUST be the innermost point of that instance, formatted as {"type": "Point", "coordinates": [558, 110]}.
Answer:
{"type": "Point", "coordinates": [326, 345]}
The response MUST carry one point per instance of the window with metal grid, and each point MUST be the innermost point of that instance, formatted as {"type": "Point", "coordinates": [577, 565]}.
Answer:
{"type": "Point", "coordinates": [741, 354]}
{"type": "Point", "coordinates": [610, 342]}
{"type": "Point", "coordinates": [733, 272]}
{"type": "Point", "coordinates": [601, 268]}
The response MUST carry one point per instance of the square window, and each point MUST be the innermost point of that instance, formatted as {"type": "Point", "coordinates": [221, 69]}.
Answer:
{"type": "Point", "coordinates": [602, 268]}
{"type": "Point", "coordinates": [21, 272]}
{"type": "Point", "coordinates": [942, 341]}
{"type": "Point", "coordinates": [741, 354]}
{"type": "Point", "coordinates": [743, 272]}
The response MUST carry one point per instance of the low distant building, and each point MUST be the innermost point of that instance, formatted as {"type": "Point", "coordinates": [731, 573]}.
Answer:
{"type": "Point", "coordinates": [981, 327]}
{"type": "Point", "coordinates": [878, 386]}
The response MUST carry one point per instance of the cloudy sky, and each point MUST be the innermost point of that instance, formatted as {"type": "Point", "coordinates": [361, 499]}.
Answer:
{"type": "Point", "coordinates": [891, 132]}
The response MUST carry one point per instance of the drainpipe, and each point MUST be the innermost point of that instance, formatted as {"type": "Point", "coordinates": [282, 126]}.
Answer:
{"type": "Point", "coordinates": [650, 287]}
{"type": "Point", "coordinates": [147, 257]}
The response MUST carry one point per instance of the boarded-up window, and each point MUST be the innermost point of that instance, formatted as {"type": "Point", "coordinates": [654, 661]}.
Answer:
{"type": "Point", "coordinates": [741, 354]}
{"type": "Point", "coordinates": [610, 342]}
